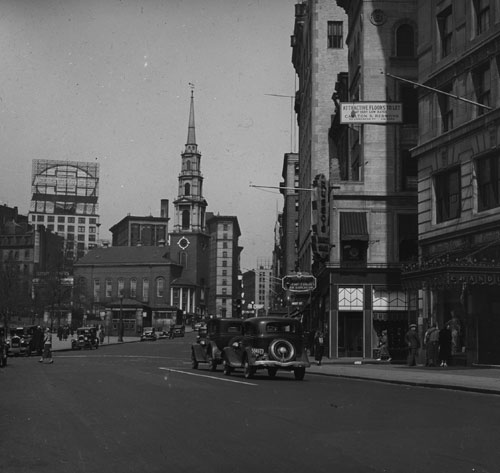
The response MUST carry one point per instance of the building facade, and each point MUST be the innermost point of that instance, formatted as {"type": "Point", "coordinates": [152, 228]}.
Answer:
{"type": "Point", "coordinates": [132, 283]}
{"type": "Point", "coordinates": [458, 156]}
{"type": "Point", "coordinates": [142, 231]}
{"type": "Point", "coordinates": [64, 198]}
{"type": "Point", "coordinates": [366, 201]}
{"type": "Point", "coordinates": [224, 265]}
{"type": "Point", "coordinates": [318, 53]}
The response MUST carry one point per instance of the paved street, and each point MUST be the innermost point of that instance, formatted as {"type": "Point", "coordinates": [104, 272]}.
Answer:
{"type": "Point", "coordinates": [140, 407]}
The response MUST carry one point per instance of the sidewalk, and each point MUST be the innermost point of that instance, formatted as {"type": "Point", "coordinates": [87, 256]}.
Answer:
{"type": "Point", "coordinates": [474, 379]}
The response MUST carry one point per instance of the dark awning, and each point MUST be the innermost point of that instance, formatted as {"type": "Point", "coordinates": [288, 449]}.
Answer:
{"type": "Point", "coordinates": [353, 226]}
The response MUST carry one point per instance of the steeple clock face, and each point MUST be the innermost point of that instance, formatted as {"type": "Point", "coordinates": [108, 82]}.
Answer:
{"type": "Point", "coordinates": [183, 243]}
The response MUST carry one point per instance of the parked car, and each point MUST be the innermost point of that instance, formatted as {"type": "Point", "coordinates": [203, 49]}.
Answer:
{"type": "Point", "coordinates": [177, 331]}
{"type": "Point", "coordinates": [162, 334]}
{"type": "Point", "coordinates": [271, 343]}
{"type": "Point", "coordinates": [210, 343]}
{"type": "Point", "coordinates": [86, 339]}
{"type": "Point", "coordinates": [149, 333]}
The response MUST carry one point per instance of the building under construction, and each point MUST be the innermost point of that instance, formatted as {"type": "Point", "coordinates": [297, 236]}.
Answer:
{"type": "Point", "coordinates": [64, 198]}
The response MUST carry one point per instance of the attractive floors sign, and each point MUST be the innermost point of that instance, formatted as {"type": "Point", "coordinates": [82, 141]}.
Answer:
{"type": "Point", "coordinates": [371, 112]}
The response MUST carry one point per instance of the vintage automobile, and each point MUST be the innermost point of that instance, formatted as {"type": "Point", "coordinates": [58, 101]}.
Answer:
{"type": "Point", "coordinates": [149, 333]}
{"type": "Point", "coordinates": [176, 330]}
{"type": "Point", "coordinates": [21, 341]}
{"type": "Point", "coordinates": [162, 334]}
{"type": "Point", "coordinates": [86, 338]}
{"type": "Point", "coordinates": [272, 343]}
{"type": "Point", "coordinates": [209, 345]}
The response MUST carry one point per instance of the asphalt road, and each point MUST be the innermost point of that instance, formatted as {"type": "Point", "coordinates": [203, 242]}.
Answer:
{"type": "Point", "coordinates": [140, 407]}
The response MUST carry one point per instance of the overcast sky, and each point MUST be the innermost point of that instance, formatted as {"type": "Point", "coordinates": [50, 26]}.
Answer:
{"type": "Point", "coordinates": [109, 80]}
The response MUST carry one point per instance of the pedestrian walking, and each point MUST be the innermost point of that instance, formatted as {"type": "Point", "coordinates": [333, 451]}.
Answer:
{"type": "Point", "coordinates": [47, 347]}
{"type": "Point", "coordinates": [383, 345]}
{"type": "Point", "coordinates": [431, 340]}
{"type": "Point", "coordinates": [101, 336]}
{"type": "Point", "coordinates": [445, 342]}
{"type": "Point", "coordinates": [319, 346]}
{"type": "Point", "coordinates": [413, 344]}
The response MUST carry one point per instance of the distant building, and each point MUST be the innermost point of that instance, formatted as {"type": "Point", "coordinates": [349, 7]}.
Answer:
{"type": "Point", "coordinates": [64, 198]}
{"type": "Point", "coordinates": [142, 231]}
{"type": "Point", "coordinates": [189, 239]}
{"type": "Point", "coordinates": [135, 280]}
{"type": "Point", "coordinates": [224, 264]}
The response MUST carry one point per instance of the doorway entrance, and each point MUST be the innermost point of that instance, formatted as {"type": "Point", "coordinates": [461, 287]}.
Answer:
{"type": "Point", "coordinates": [350, 334]}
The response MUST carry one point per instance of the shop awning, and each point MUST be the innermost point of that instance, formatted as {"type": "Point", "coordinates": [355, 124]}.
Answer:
{"type": "Point", "coordinates": [353, 226]}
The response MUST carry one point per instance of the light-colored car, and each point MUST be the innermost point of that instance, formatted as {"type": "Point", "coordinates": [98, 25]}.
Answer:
{"type": "Point", "coordinates": [148, 333]}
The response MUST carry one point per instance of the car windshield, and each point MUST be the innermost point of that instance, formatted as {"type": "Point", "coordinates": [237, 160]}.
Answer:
{"type": "Point", "coordinates": [281, 327]}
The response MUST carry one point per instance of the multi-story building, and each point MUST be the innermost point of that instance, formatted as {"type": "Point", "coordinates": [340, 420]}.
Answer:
{"type": "Point", "coordinates": [366, 201]}
{"type": "Point", "coordinates": [319, 53]}
{"type": "Point", "coordinates": [30, 259]}
{"type": "Point", "coordinates": [64, 198]}
{"type": "Point", "coordinates": [142, 231]}
{"type": "Point", "coordinates": [458, 157]}
{"type": "Point", "coordinates": [224, 265]}
{"type": "Point", "coordinates": [289, 217]}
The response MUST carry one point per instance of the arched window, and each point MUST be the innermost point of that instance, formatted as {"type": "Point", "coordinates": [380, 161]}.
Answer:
{"type": "Point", "coordinates": [133, 288]}
{"type": "Point", "coordinates": [188, 165]}
{"type": "Point", "coordinates": [187, 189]}
{"type": "Point", "coordinates": [160, 287]}
{"type": "Point", "coordinates": [183, 258]}
{"type": "Point", "coordinates": [185, 219]}
{"type": "Point", "coordinates": [405, 41]}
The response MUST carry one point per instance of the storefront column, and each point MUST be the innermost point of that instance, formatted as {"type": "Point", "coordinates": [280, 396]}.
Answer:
{"type": "Point", "coordinates": [368, 321]}
{"type": "Point", "coordinates": [333, 321]}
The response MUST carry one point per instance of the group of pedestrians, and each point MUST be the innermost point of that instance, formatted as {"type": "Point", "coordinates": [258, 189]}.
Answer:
{"type": "Point", "coordinates": [437, 345]}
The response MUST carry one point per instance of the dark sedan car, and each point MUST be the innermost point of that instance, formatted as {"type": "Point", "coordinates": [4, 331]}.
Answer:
{"type": "Point", "coordinates": [209, 346]}
{"type": "Point", "coordinates": [272, 343]}
{"type": "Point", "coordinates": [177, 331]}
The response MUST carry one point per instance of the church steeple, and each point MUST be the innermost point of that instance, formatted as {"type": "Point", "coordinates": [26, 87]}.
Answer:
{"type": "Point", "coordinates": [191, 139]}
{"type": "Point", "coordinates": [190, 204]}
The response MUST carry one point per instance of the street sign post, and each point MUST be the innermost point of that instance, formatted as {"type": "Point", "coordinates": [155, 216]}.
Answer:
{"type": "Point", "coordinates": [299, 282]}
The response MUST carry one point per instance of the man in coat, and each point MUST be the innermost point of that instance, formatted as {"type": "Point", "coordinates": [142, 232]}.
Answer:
{"type": "Point", "coordinates": [413, 343]}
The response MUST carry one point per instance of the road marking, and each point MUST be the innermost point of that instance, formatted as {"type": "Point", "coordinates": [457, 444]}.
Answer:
{"type": "Point", "coordinates": [207, 376]}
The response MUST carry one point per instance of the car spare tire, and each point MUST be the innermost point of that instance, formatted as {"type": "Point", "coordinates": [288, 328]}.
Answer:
{"type": "Point", "coordinates": [281, 350]}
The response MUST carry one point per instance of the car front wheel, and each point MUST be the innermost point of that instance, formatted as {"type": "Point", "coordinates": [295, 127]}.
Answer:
{"type": "Point", "coordinates": [248, 370]}
{"type": "Point", "coordinates": [194, 363]}
{"type": "Point", "coordinates": [226, 368]}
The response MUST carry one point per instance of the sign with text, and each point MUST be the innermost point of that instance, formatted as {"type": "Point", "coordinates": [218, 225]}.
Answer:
{"type": "Point", "coordinates": [371, 112]}
{"type": "Point", "coordinates": [299, 282]}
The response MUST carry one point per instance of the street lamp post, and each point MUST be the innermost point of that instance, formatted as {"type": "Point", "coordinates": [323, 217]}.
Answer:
{"type": "Point", "coordinates": [120, 327]}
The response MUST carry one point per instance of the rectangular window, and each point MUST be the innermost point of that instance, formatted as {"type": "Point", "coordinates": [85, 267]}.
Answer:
{"type": "Point", "coordinates": [40, 218]}
{"type": "Point", "coordinates": [482, 11]}
{"type": "Point", "coordinates": [97, 290]}
{"type": "Point", "coordinates": [81, 237]}
{"type": "Point", "coordinates": [60, 228]}
{"type": "Point", "coordinates": [335, 35]}
{"type": "Point", "coordinates": [448, 192]}
{"type": "Point", "coordinates": [133, 288]}
{"type": "Point", "coordinates": [224, 227]}
{"type": "Point", "coordinates": [60, 219]}
{"type": "Point", "coordinates": [445, 25]}
{"type": "Point", "coordinates": [488, 182]}
{"type": "Point", "coordinates": [109, 288]}
{"type": "Point", "coordinates": [81, 229]}
{"type": "Point", "coordinates": [71, 219]}
{"type": "Point", "coordinates": [160, 287]}
{"type": "Point", "coordinates": [50, 218]}
{"type": "Point", "coordinates": [409, 171]}
{"type": "Point", "coordinates": [71, 228]}
{"type": "Point", "coordinates": [481, 78]}
{"type": "Point", "coordinates": [81, 219]}
{"type": "Point", "coordinates": [446, 109]}
{"type": "Point", "coordinates": [224, 263]}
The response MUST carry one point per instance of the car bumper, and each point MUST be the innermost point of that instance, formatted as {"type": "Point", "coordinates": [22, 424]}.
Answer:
{"type": "Point", "coordinates": [280, 364]}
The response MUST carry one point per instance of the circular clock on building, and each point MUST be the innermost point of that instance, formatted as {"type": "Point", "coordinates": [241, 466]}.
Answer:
{"type": "Point", "coordinates": [183, 243]}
